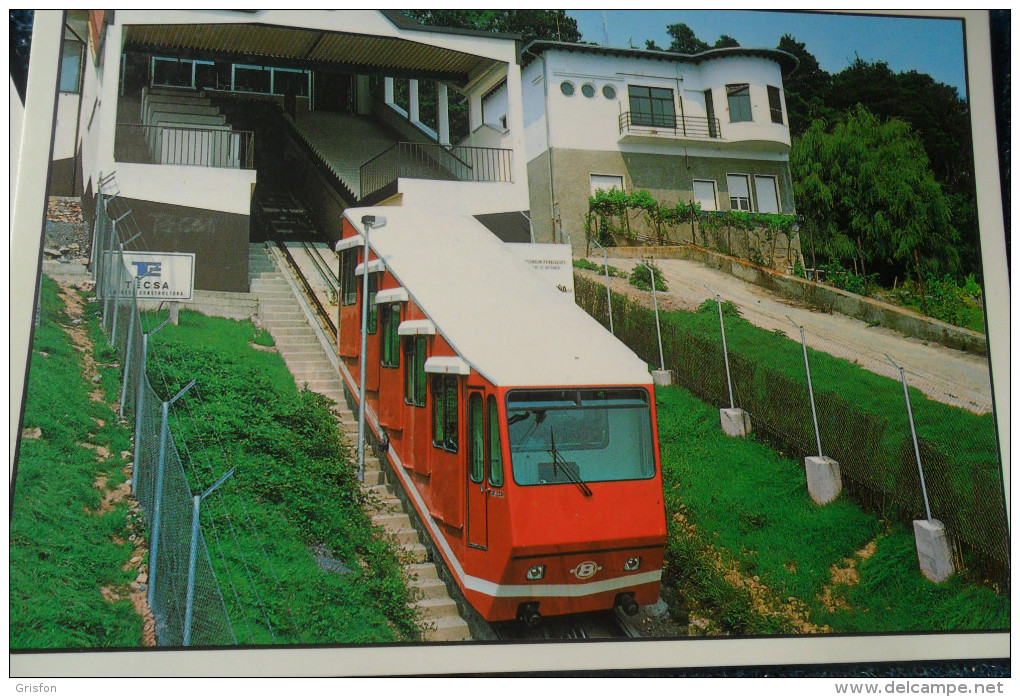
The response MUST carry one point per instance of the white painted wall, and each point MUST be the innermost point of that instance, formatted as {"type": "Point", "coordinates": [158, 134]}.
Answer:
{"type": "Point", "coordinates": [583, 123]}
{"type": "Point", "coordinates": [553, 262]}
{"type": "Point", "coordinates": [17, 123]}
{"type": "Point", "coordinates": [210, 188]}
{"type": "Point", "coordinates": [67, 117]}
{"type": "Point", "coordinates": [474, 198]}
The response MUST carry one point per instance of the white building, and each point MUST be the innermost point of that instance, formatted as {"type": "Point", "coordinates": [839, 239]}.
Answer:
{"type": "Point", "coordinates": [710, 127]}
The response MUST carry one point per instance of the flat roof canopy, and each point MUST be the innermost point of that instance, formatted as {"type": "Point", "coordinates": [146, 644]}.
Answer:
{"type": "Point", "coordinates": [308, 49]}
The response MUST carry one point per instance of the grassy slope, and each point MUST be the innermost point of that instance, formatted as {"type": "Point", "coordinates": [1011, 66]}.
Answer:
{"type": "Point", "coordinates": [60, 553]}
{"type": "Point", "coordinates": [751, 504]}
{"type": "Point", "coordinates": [293, 488]}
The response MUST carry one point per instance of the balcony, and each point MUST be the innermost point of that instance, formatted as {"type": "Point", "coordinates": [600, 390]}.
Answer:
{"type": "Point", "coordinates": [636, 125]}
{"type": "Point", "coordinates": [177, 145]}
{"type": "Point", "coordinates": [436, 162]}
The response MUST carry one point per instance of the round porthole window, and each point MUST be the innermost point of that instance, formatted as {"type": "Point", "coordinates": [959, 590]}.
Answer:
{"type": "Point", "coordinates": [567, 88]}
{"type": "Point", "coordinates": [588, 90]}
{"type": "Point", "coordinates": [609, 92]}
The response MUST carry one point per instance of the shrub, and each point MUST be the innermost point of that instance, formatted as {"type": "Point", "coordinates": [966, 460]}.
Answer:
{"type": "Point", "coordinates": [641, 277]}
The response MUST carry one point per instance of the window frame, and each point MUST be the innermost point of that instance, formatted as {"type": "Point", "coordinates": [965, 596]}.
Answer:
{"type": "Point", "coordinates": [476, 437]}
{"type": "Point", "coordinates": [775, 183]}
{"type": "Point", "coordinates": [415, 378]}
{"type": "Point", "coordinates": [389, 341]}
{"type": "Point", "coordinates": [348, 278]}
{"type": "Point", "coordinates": [442, 386]}
{"type": "Point", "coordinates": [79, 67]}
{"type": "Point", "coordinates": [650, 119]}
{"type": "Point", "coordinates": [715, 192]}
{"type": "Point", "coordinates": [591, 184]}
{"type": "Point", "coordinates": [492, 433]}
{"type": "Point", "coordinates": [738, 95]}
{"type": "Point", "coordinates": [372, 325]}
{"type": "Point", "coordinates": [776, 109]}
{"type": "Point", "coordinates": [729, 192]}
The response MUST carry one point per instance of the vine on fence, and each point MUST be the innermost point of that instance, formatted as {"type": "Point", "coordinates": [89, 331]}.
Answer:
{"type": "Point", "coordinates": [609, 221]}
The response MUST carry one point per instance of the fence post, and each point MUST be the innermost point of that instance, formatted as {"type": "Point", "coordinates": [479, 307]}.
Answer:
{"type": "Point", "coordinates": [824, 480]}
{"type": "Point", "coordinates": [189, 605]}
{"type": "Point", "coordinates": [933, 553]}
{"type": "Point", "coordinates": [609, 296]}
{"type": "Point", "coordinates": [157, 506]}
{"type": "Point", "coordinates": [139, 411]}
{"type": "Point", "coordinates": [661, 377]}
{"type": "Point", "coordinates": [127, 367]}
{"type": "Point", "coordinates": [734, 422]}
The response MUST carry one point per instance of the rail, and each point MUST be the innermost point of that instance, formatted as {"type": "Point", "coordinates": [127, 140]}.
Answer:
{"type": "Point", "coordinates": [687, 126]}
{"type": "Point", "coordinates": [434, 161]}
{"type": "Point", "coordinates": [179, 145]}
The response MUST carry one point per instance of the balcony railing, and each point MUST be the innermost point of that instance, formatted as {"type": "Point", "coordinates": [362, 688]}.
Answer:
{"type": "Point", "coordinates": [434, 161]}
{"type": "Point", "coordinates": [202, 147]}
{"type": "Point", "coordinates": [668, 124]}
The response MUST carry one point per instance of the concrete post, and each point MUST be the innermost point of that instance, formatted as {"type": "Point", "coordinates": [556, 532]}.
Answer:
{"type": "Point", "coordinates": [474, 111]}
{"type": "Point", "coordinates": [735, 422]}
{"type": "Point", "coordinates": [175, 313]}
{"type": "Point", "coordinates": [933, 550]}
{"type": "Point", "coordinates": [443, 104]}
{"type": "Point", "coordinates": [824, 481]}
{"type": "Point", "coordinates": [388, 90]}
{"type": "Point", "coordinates": [412, 101]}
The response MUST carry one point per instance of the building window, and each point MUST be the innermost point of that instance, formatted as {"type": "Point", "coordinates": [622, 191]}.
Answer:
{"type": "Point", "coordinates": [739, 98]}
{"type": "Point", "coordinates": [172, 72]}
{"type": "Point", "coordinates": [767, 191]}
{"type": "Point", "coordinates": [609, 92]}
{"type": "Point", "coordinates": [477, 440]}
{"type": "Point", "coordinates": [567, 88]}
{"type": "Point", "coordinates": [588, 90]}
{"type": "Point", "coordinates": [704, 194]}
{"type": "Point", "coordinates": [652, 106]}
{"type": "Point", "coordinates": [775, 104]}
{"type": "Point", "coordinates": [348, 279]}
{"type": "Point", "coordinates": [389, 321]}
{"type": "Point", "coordinates": [290, 81]}
{"type": "Point", "coordinates": [70, 66]}
{"type": "Point", "coordinates": [415, 348]}
{"type": "Point", "coordinates": [606, 182]}
{"type": "Point", "coordinates": [444, 412]}
{"type": "Point", "coordinates": [740, 192]}
{"type": "Point", "coordinates": [495, 444]}
{"type": "Point", "coordinates": [252, 78]}
{"type": "Point", "coordinates": [373, 311]}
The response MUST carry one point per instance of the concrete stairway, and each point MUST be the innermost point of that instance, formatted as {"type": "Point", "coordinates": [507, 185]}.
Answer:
{"type": "Point", "coordinates": [304, 351]}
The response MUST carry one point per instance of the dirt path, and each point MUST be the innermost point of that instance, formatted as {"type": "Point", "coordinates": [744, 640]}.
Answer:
{"type": "Point", "coordinates": [113, 496]}
{"type": "Point", "coordinates": [946, 375]}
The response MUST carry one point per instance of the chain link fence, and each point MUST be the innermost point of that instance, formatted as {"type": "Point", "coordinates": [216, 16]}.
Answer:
{"type": "Point", "coordinates": [183, 592]}
{"type": "Point", "coordinates": [862, 426]}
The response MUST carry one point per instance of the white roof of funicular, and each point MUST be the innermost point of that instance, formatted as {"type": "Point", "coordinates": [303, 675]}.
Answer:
{"type": "Point", "coordinates": [501, 317]}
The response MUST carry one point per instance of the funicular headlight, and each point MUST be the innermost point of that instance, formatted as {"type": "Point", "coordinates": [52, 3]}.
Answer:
{"type": "Point", "coordinates": [536, 573]}
{"type": "Point", "coordinates": [632, 564]}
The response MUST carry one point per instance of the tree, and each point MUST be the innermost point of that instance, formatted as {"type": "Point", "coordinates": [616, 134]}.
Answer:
{"type": "Point", "coordinates": [531, 25]}
{"type": "Point", "coordinates": [807, 88]}
{"type": "Point", "coordinates": [726, 41]}
{"type": "Point", "coordinates": [868, 195]}
{"type": "Point", "coordinates": [684, 40]}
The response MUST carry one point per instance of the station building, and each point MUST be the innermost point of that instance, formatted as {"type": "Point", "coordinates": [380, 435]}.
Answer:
{"type": "Point", "coordinates": [204, 116]}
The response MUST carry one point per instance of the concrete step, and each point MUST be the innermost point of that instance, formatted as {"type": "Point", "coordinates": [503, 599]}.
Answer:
{"type": "Point", "coordinates": [303, 330]}
{"type": "Point", "coordinates": [448, 629]}
{"type": "Point", "coordinates": [429, 589]}
{"type": "Point", "coordinates": [437, 608]}
{"type": "Point", "coordinates": [374, 477]}
{"type": "Point", "coordinates": [423, 572]}
{"type": "Point", "coordinates": [393, 522]}
{"type": "Point", "coordinates": [415, 552]}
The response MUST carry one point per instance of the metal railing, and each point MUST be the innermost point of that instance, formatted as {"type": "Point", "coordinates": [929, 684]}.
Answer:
{"type": "Point", "coordinates": [434, 161]}
{"type": "Point", "coordinates": [687, 126]}
{"type": "Point", "coordinates": [179, 145]}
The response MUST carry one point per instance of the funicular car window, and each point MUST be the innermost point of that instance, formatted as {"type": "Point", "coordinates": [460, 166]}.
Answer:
{"type": "Point", "coordinates": [586, 435]}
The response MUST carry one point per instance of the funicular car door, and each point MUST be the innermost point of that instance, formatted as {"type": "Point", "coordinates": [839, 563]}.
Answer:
{"type": "Point", "coordinates": [477, 496]}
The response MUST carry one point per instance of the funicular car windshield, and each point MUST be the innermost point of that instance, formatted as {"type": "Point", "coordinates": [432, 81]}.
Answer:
{"type": "Point", "coordinates": [580, 436]}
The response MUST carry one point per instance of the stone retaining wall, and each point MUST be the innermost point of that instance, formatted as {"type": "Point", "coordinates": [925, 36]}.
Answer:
{"type": "Point", "coordinates": [822, 297]}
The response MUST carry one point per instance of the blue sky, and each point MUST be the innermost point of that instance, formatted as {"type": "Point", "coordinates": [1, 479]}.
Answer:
{"type": "Point", "coordinates": [933, 46]}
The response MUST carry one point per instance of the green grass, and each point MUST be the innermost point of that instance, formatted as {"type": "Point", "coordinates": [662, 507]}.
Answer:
{"type": "Point", "coordinates": [294, 477]}
{"type": "Point", "coordinates": [750, 504]}
{"type": "Point", "coordinates": [61, 554]}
